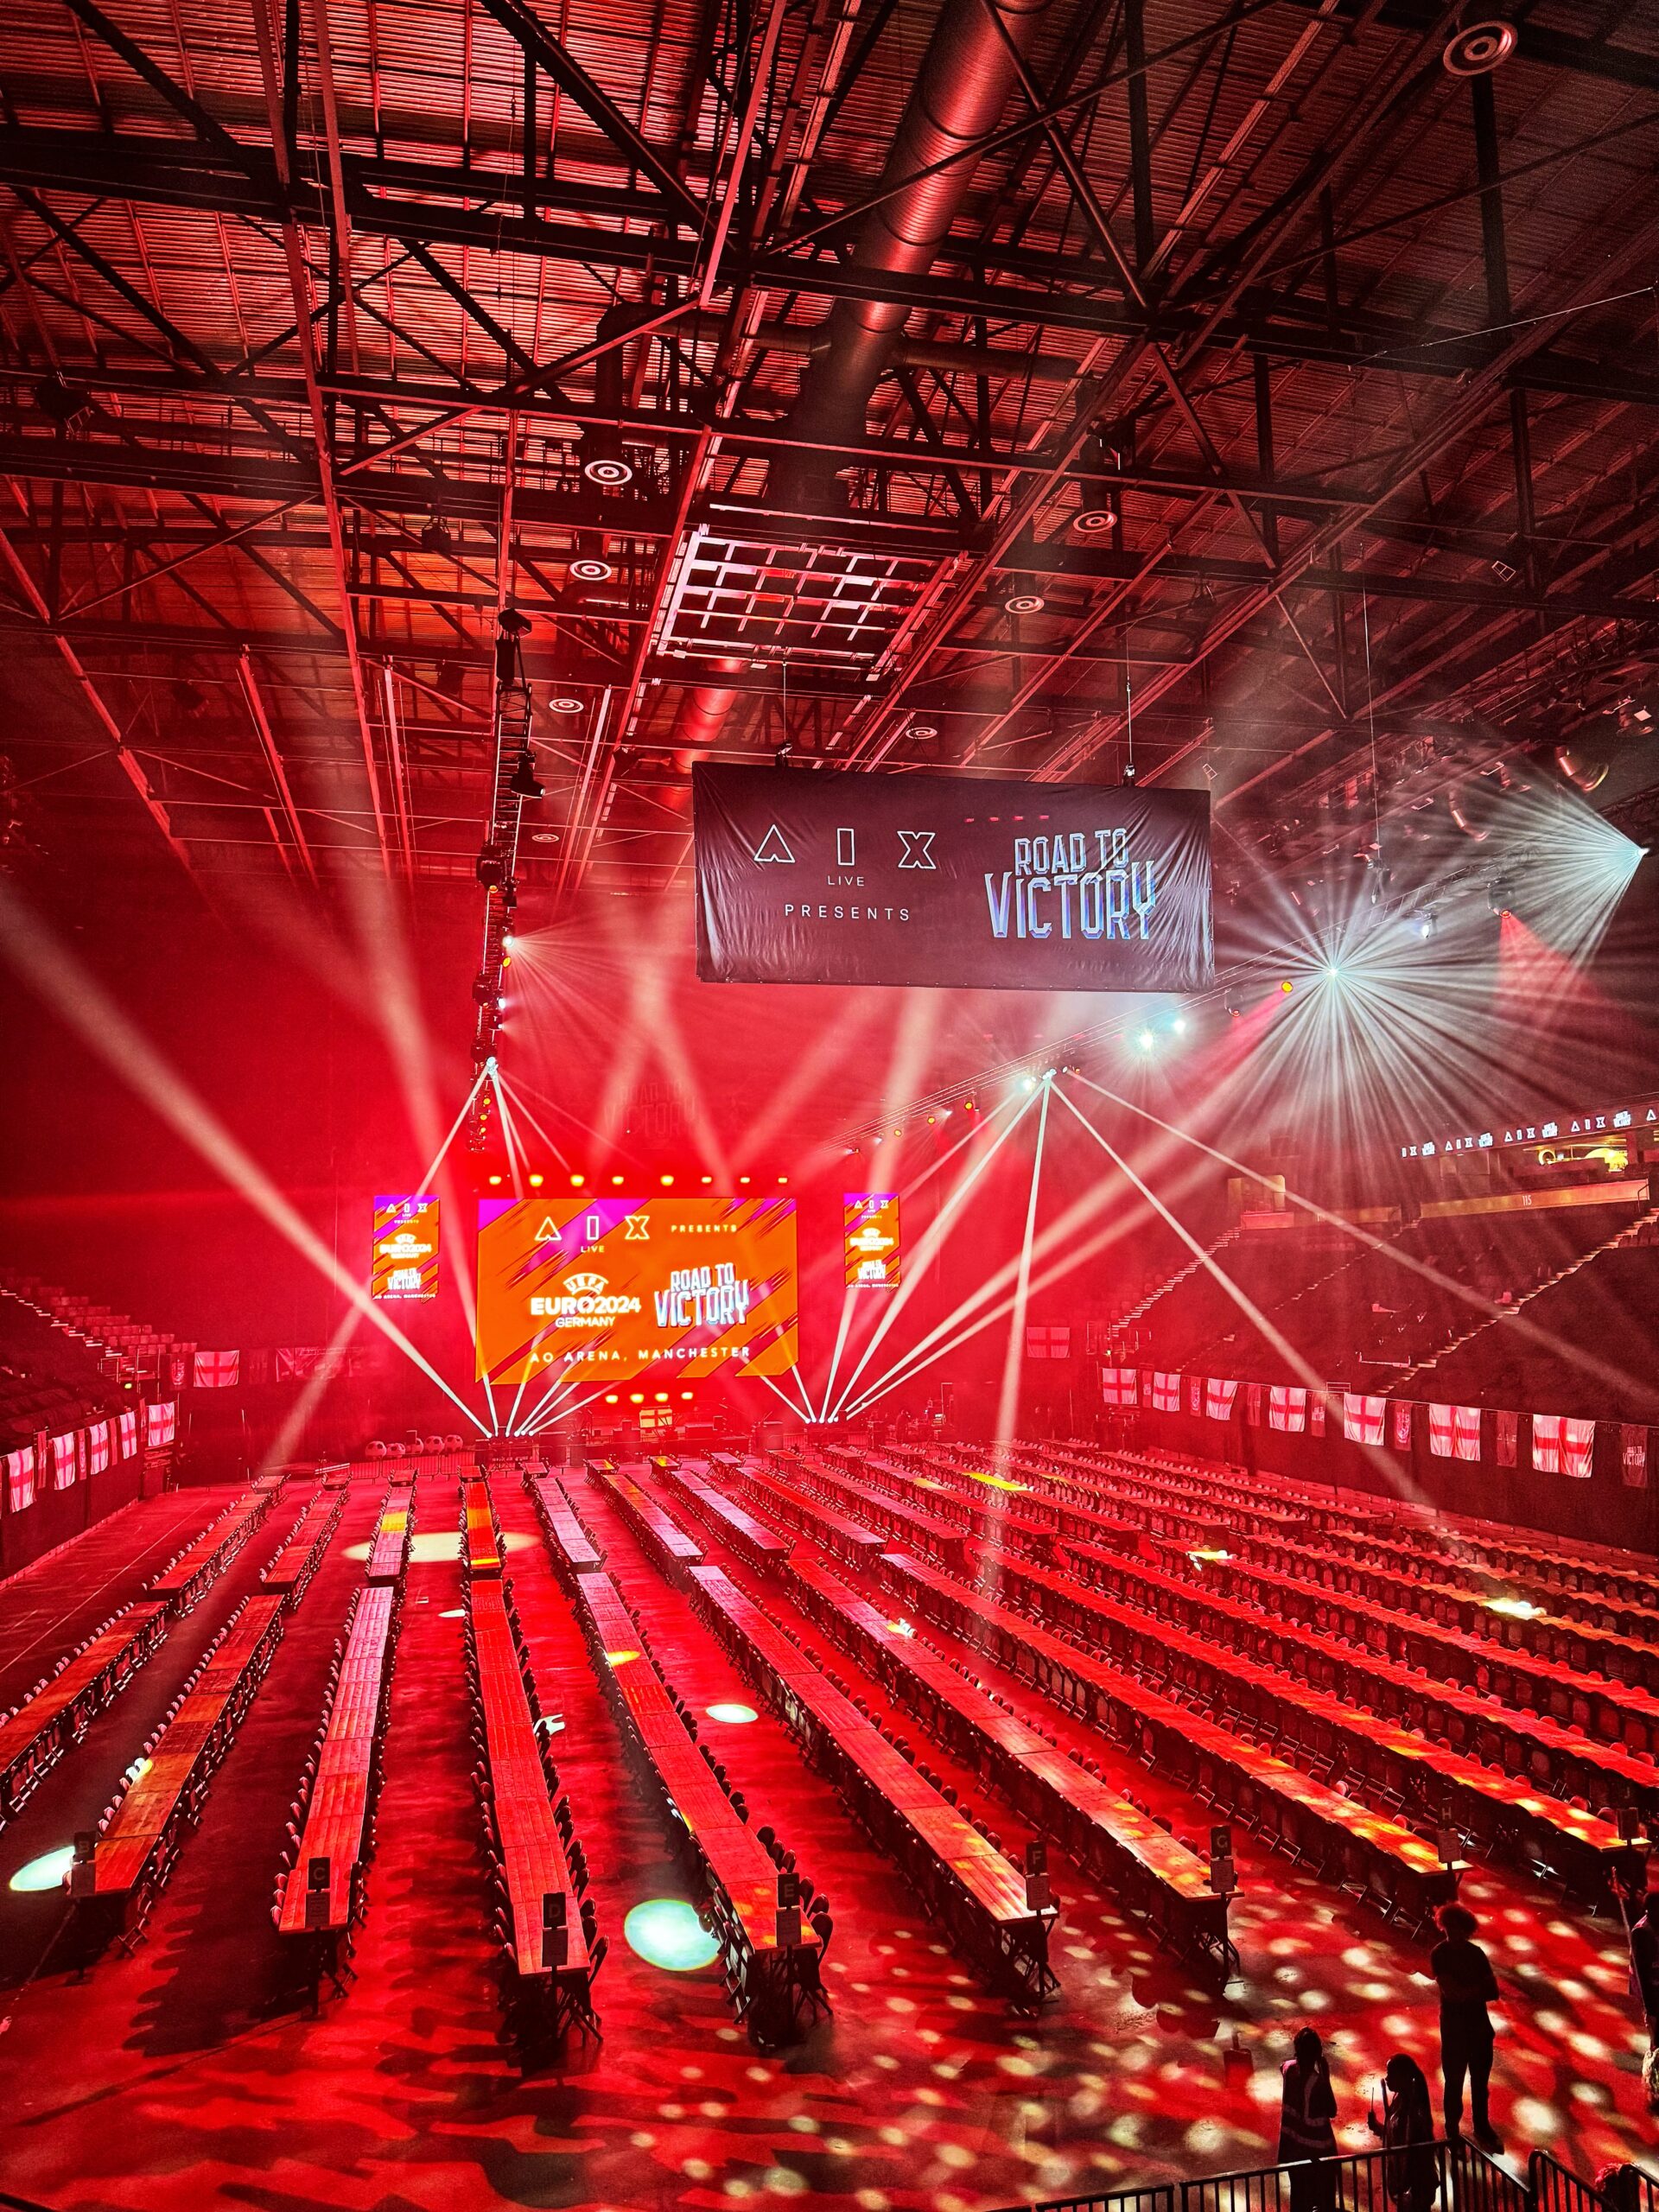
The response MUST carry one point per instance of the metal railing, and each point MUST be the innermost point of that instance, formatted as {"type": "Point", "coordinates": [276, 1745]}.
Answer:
{"type": "Point", "coordinates": [1467, 2180]}
{"type": "Point", "coordinates": [1555, 2189]}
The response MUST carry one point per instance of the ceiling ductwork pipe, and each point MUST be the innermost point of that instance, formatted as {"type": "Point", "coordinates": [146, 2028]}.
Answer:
{"type": "Point", "coordinates": [960, 92]}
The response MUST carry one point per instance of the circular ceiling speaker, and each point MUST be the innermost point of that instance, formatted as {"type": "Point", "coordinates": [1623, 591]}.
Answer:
{"type": "Point", "coordinates": [1024, 601]}
{"type": "Point", "coordinates": [1476, 49]}
{"type": "Point", "coordinates": [564, 704]}
{"type": "Point", "coordinates": [608, 470]}
{"type": "Point", "coordinates": [924, 730]}
{"type": "Point", "coordinates": [589, 568]}
{"type": "Point", "coordinates": [1090, 521]}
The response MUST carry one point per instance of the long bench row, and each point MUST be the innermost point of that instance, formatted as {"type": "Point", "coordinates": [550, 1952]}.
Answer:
{"type": "Point", "coordinates": [1137, 1862]}
{"type": "Point", "coordinates": [999, 1512]}
{"type": "Point", "coordinates": [1526, 1746]}
{"type": "Point", "coordinates": [61, 1707]}
{"type": "Point", "coordinates": [115, 1883]}
{"type": "Point", "coordinates": [660, 1533]}
{"type": "Point", "coordinates": [551, 1951]}
{"type": "Point", "coordinates": [1600, 1580]}
{"type": "Point", "coordinates": [1367, 1853]}
{"type": "Point", "coordinates": [770, 1958]}
{"type": "Point", "coordinates": [393, 1534]}
{"type": "Point", "coordinates": [1579, 1566]}
{"type": "Point", "coordinates": [1623, 1607]}
{"type": "Point", "coordinates": [188, 1577]}
{"type": "Point", "coordinates": [847, 1539]}
{"type": "Point", "coordinates": [903, 1523]}
{"type": "Point", "coordinates": [755, 1544]}
{"type": "Point", "coordinates": [291, 1566]}
{"type": "Point", "coordinates": [320, 1893]}
{"type": "Point", "coordinates": [480, 1538]}
{"type": "Point", "coordinates": [1611, 1710]}
{"type": "Point", "coordinates": [1511, 1620]}
{"type": "Point", "coordinates": [972, 1893]}
{"type": "Point", "coordinates": [571, 1545]}
{"type": "Point", "coordinates": [1436, 1786]}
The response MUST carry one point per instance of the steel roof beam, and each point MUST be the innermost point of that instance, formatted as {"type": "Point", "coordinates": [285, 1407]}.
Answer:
{"type": "Point", "coordinates": [1536, 42]}
{"type": "Point", "coordinates": [533, 38]}
{"type": "Point", "coordinates": [1278, 325]}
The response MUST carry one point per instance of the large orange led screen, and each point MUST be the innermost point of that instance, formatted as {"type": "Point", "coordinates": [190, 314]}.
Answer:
{"type": "Point", "coordinates": [603, 1289]}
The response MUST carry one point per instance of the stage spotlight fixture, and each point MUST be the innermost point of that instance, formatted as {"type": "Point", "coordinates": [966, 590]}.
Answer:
{"type": "Point", "coordinates": [686, 1394]}
{"type": "Point", "coordinates": [536, 1181]}
{"type": "Point", "coordinates": [1476, 49]}
{"type": "Point", "coordinates": [610, 470]}
{"type": "Point", "coordinates": [783, 1179]}
{"type": "Point", "coordinates": [1286, 988]}
{"type": "Point", "coordinates": [636, 1397]}
{"type": "Point", "coordinates": [485, 993]}
{"type": "Point", "coordinates": [1129, 770]}
{"type": "Point", "coordinates": [577, 1182]}
{"type": "Point", "coordinates": [780, 757]}
{"type": "Point", "coordinates": [707, 1178]}
{"type": "Point", "coordinates": [1332, 974]}
{"type": "Point", "coordinates": [611, 1398]}
{"type": "Point", "coordinates": [524, 784]}
{"type": "Point", "coordinates": [1048, 1074]}
{"type": "Point", "coordinates": [1145, 1040]}
{"type": "Point", "coordinates": [666, 1181]}
{"type": "Point", "coordinates": [1179, 1024]}
{"type": "Point", "coordinates": [436, 538]}
{"type": "Point", "coordinates": [1027, 1082]}
{"type": "Point", "coordinates": [495, 1182]}
{"type": "Point", "coordinates": [1425, 925]}
{"type": "Point", "coordinates": [743, 1178]}
{"type": "Point", "coordinates": [490, 869]}
{"type": "Point", "coordinates": [616, 1182]}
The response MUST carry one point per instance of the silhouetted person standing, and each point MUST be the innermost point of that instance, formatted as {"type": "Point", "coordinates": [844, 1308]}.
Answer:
{"type": "Point", "coordinates": [1467, 1986]}
{"type": "Point", "coordinates": [1307, 2125]}
{"type": "Point", "coordinates": [1411, 2176]}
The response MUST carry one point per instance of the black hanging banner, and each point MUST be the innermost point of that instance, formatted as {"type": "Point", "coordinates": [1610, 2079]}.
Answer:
{"type": "Point", "coordinates": [950, 883]}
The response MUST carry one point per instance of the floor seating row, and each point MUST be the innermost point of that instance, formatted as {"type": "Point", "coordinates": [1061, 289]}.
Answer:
{"type": "Point", "coordinates": [321, 1891]}
{"type": "Point", "coordinates": [769, 1952]}
{"type": "Point", "coordinates": [544, 1923]}
{"type": "Point", "coordinates": [62, 1705]}
{"type": "Point", "coordinates": [972, 1893]}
